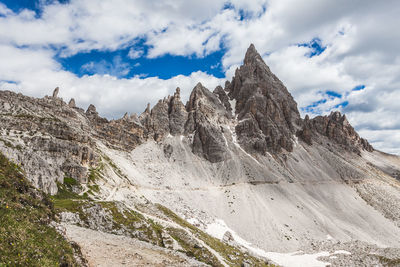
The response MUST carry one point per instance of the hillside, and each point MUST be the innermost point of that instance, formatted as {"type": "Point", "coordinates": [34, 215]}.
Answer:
{"type": "Point", "coordinates": [26, 238]}
{"type": "Point", "coordinates": [234, 177]}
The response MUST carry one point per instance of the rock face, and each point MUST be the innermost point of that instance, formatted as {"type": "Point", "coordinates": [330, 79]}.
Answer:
{"type": "Point", "coordinates": [71, 103]}
{"type": "Point", "coordinates": [177, 114]}
{"type": "Point", "coordinates": [124, 133]}
{"type": "Point", "coordinates": [337, 128]}
{"type": "Point", "coordinates": [205, 114]}
{"type": "Point", "coordinates": [306, 132]}
{"type": "Point", "coordinates": [223, 97]}
{"type": "Point", "coordinates": [267, 113]}
{"type": "Point", "coordinates": [168, 116]}
{"type": "Point", "coordinates": [53, 139]}
{"type": "Point", "coordinates": [48, 138]}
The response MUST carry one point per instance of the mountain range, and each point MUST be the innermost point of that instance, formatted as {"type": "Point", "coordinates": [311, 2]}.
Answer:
{"type": "Point", "coordinates": [234, 177]}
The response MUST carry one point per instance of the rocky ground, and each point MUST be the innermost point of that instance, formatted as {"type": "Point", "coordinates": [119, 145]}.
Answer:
{"type": "Point", "coordinates": [103, 249]}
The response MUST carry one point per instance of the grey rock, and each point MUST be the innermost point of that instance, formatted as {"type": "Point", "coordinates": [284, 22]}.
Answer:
{"type": "Point", "coordinates": [168, 149]}
{"type": "Point", "coordinates": [228, 237]}
{"type": "Point", "coordinates": [168, 116]}
{"type": "Point", "coordinates": [46, 135]}
{"type": "Point", "coordinates": [52, 139]}
{"type": "Point", "coordinates": [76, 171]}
{"type": "Point", "coordinates": [205, 112]}
{"type": "Point", "coordinates": [306, 132]}
{"type": "Point", "coordinates": [261, 97]}
{"type": "Point", "coordinates": [71, 103]}
{"type": "Point", "coordinates": [337, 128]}
{"type": "Point", "coordinates": [219, 91]}
{"type": "Point", "coordinates": [91, 110]}
{"type": "Point", "coordinates": [55, 92]}
{"type": "Point", "coordinates": [160, 120]}
{"type": "Point", "coordinates": [177, 114]}
{"type": "Point", "coordinates": [70, 218]}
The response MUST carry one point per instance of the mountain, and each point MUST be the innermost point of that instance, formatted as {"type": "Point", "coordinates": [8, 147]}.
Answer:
{"type": "Point", "coordinates": [235, 178]}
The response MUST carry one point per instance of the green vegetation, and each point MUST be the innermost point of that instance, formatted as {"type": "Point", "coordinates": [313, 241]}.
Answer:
{"type": "Point", "coordinates": [94, 175]}
{"type": "Point", "coordinates": [65, 190]}
{"type": "Point", "coordinates": [191, 248]}
{"type": "Point", "coordinates": [140, 227]}
{"type": "Point", "coordinates": [67, 200]}
{"type": "Point", "coordinates": [232, 255]}
{"type": "Point", "coordinates": [125, 217]}
{"type": "Point", "coordinates": [390, 262]}
{"type": "Point", "coordinates": [114, 167]}
{"type": "Point", "coordinates": [121, 218]}
{"type": "Point", "coordinates": [26, 239]}
{"type": "Point", "coordinates": [68, 181]}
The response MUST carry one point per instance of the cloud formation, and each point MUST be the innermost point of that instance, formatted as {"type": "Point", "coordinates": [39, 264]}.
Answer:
{"type": "Point", "coordinates": [321, 49]}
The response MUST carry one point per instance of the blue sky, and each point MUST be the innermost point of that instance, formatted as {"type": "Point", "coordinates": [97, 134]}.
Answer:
{"type": "Point", "coordinates": [121, 54]}
{"type": "Point", "coordinates": [119, 64]}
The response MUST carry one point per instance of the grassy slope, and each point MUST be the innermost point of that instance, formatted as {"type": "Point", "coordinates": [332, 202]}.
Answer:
{"type": "Point", "coordinates": [25, 236]}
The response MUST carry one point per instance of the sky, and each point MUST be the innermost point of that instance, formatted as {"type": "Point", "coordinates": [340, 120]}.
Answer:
{"type": "Point", "coordinates": [122, 54]}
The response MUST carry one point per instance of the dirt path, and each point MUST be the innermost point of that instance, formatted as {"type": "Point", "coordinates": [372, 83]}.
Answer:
{"type": "Point", "coordinates": [103, 249]}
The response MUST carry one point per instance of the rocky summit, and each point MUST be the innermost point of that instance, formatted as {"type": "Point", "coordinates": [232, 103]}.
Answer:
{"type": "Point", "coordinates": [233, 177]}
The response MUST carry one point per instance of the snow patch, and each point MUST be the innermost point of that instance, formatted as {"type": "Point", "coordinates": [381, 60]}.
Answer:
{"type": "Point", "coordinates": [295, 259]}
{"type": "Point", "coordinates": [329, 237]}
{"type": "Point", "coordinates": [193, 221]}
{"type": "Point", "coordinates": [217, 229]}
{"type": "Point", "coordinates": [342, 252]}
{"type": "Point", "coordinates": [298, 260]}
{"type": "Point", "coordinates": [233, 106]}
{"type": "Point", "coordinates": [295, 140]}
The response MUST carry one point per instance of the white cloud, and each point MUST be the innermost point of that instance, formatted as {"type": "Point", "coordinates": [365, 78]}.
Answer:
{"type": "Point", "coordinates": [117, 67]}
{"type": "Point", "coordinates": [361, 37]}
{"type": "Point", "coordinates": [112, 96]}
{"type": "Point", "coordinates": [4, 11]}
{"type": "Point", "coordinates": [135, 53]}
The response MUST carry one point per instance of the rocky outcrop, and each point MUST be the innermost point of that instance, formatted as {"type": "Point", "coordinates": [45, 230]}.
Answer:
{"type": "Point", "coordinates": [223, 97]}
{"type": "Point", "coordinates": [267, 113]}
{"type": "Point", "coordinates": [160, 120]}
{"type": "Point", "coordinates": [206, 113]}
{"type": "Point", "coordinates": [125, 133]}
{"type": "Point", "coordinates": [177, 114]}
{"type": "Point", "coordinates": [168, 116]}
{"type": "Point", "coordinates": [55, 92]}
{"type": "Point", "coordinates": [337, 128]}
{"type": "Point", "coordinates": [306, 132]}
{"type": "Point", "coordinates": [47, 137]}
{"type": "Point", "coordinates": [71, 103]}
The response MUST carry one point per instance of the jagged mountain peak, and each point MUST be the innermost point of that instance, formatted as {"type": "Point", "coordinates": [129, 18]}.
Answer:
{"type": "Point", "coordinates": [228, 155]}
{"type": "Point", "coordinates": [252, 55]}
{"type": "Point", "coordinates": [269, 109]}
{"type": "Point", "coordinates": [256, 107]}
{"type": "Point", "coordinates": [266, 115]}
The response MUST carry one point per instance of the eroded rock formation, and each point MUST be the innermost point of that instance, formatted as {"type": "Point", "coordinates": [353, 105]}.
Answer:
{"type": "Point", "coordinates": [267, 113]}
